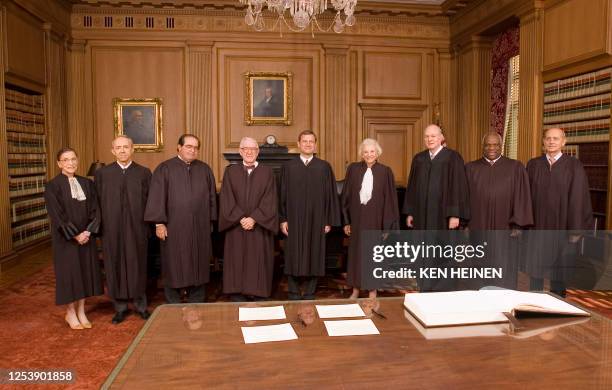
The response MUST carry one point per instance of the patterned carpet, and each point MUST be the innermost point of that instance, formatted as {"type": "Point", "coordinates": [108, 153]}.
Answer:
{"type": "Point", "coordinates": [33, 333]}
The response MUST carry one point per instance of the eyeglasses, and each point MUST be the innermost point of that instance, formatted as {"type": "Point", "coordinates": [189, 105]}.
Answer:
{"type": "Point", "coordinates": [249, 149]}
{"type": "Point", "coordinates": [191, 147]}
{"type": "Point", "coordinates": [66, 160]}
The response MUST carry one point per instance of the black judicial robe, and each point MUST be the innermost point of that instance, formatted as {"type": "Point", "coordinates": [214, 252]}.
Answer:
{"type": "Point", "coordinates": [560, 194]}
{"type": "Point", "coordinates": [77, 269]}
{"type": "Point", "coordinates": [499, 195]}
{"type": "Point", "coordinates": [437, 190]}
{"type": "Point", "coordinates": [183, 197]}
{"type": "Point", "coordinates": [561, 201]}
{"type": "Point", "coordinates": [123, 198]}
{"type": "Point", "coordinates": [248, 260]}
{"type": "Point", "coordinates": [499, 202]}
{"type": "Point", "coordinates": [308, 202]}
{"type": "Point", "coordinates": [380, 213]}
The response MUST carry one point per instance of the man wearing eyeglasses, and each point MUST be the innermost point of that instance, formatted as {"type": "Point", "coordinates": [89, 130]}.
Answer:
{"type": "Point", "coordinates": [249, 217]}
{"type": "Point", "coordinates": [182, 203]}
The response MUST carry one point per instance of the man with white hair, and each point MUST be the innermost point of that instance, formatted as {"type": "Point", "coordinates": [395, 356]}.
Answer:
{"type": "Point", "coordinates": [249, 217]}
{"type": "Point", "coordinates": [437, 191]}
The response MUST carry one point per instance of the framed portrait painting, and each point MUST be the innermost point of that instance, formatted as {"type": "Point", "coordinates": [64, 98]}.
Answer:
{"type": "Point", "coordinates": [268, 98]}
{"type": "Point", "coordinates": [141, 120]}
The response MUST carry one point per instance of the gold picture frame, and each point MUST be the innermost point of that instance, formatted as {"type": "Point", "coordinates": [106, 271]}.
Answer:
{"type": "Point", "coordinates": [268, 98]}
{"type": "Point", "coordinates": [141, 120]}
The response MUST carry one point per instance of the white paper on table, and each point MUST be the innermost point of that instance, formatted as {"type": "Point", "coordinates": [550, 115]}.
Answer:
{"type": "Point", "coordinates": [338, 311]}
{"type": "Point", "coordinates": [263, 334]}
{"type": "Point", "coordinates": [351, 327]}
{"type": "Point", "coordinates": [261, 313]}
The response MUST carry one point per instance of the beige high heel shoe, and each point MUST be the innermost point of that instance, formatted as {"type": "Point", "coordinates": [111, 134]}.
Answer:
{"type": "Point", "coordinates": [86, 325]}
{"type": "Point", "coordinates": [76, 327]}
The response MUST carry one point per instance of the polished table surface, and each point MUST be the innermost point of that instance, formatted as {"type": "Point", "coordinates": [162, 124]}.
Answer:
{"type": "Point", "coordinates": [201, 346]}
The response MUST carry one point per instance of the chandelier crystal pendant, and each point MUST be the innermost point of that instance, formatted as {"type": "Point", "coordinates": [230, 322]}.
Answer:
{"type": "Point", "coordinates": [302, 13]}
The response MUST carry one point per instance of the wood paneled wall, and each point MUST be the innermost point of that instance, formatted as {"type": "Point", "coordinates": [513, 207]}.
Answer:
{"type": "Point", "coordinates": [381, 79]}
{"type": "Point", "coordinates": [128, 69]}
{"type": "Point", "coordinates": [575, 30]}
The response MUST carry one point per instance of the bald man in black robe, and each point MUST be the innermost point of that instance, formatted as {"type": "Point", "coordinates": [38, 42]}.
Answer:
{"type": "Point", "coordinates": [561, 203]}
{"type": "Point", "coordinates": [249, 217]}
{"type": "Point", "coordinates": [437, 198]}
{"type": "Point", "coordinates": [309, 207]}
{"type": "Point", "coordinates": [500, 204]}
{"type": "Point", "coordinates": [182, 203]}
{"type": "Point", "coordinates": [123, 187]}
{"type": "Point", "coordinates": [437, 191]}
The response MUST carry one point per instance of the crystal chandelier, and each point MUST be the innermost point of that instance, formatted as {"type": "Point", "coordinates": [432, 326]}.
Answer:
{"type": "Point", "coordinates": [302, 14]}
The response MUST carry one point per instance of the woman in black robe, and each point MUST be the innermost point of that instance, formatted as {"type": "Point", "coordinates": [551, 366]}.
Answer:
{"type": "Point", "coordinates": [73, 209]}
{"type": "Point", "coordinates": [369, 202]}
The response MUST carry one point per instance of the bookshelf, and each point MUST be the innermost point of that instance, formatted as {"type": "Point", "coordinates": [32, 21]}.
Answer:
{"type": "Point", "coordinates": [581, 106]}
{"type": "Point", "coordinates": [27, 164]}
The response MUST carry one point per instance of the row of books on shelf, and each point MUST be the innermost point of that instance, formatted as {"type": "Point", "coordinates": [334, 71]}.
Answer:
{"type": "Point", "coordinates": [28, 208]}
{"type": "Point", "coordinates": [591, 83]}
{"type": "Point", "coordinates": [588, 108]}
{"type": "Point", "coordinates": [16, 100]}
{"type": "Point", "coordinates": [30, 231]}
{"type": "Point", "coordinates": [25, 142]}
{"type": "Point", "coordinates": [26, 185]}
{"type": "Point", "coordinates": [25, 164]}
{"type": "Point", "coordinates": [22, 122]}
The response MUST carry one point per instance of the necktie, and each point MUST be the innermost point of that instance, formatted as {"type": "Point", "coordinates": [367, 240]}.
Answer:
{"type": "Point", "coordinates": [123, 170]}
{"type": "Point", "coordinates": [306, 162]}
{"type": "Point", "coordinates": [551, 161]}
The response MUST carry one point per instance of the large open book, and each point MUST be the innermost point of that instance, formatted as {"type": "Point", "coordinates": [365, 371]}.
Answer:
{"type": "Point", "coordinates": [482, 307]}
{"type": "Point", "coordinates": [491, 330]}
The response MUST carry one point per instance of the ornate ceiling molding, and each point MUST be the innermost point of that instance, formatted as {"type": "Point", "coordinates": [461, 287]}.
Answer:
{"type": "Point", "coordinates": [373, 7]}
{"type": "Point", "coordinates": [225, 21]}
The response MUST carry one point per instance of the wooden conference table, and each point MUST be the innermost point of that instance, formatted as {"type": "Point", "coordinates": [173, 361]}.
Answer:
{"type": "Point", "coordinates": [201, 346]}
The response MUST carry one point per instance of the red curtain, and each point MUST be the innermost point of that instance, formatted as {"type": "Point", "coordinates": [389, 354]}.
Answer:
{"type": "Point", "coordinates": [505, 46]}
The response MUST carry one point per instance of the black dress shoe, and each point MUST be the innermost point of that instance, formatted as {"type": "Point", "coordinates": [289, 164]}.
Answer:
{"type": "Point", "coordinates": [561, 293]}
{"type": "Point", "coordinates": [144, 314]}
{"type": "Point", "coordinates": [119, 317]}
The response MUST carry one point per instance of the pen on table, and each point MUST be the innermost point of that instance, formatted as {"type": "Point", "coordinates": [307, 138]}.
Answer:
{"type": "Point", "coordinates": [514, 323]}
{"type": "Point", "coordinates": [301, 321]}
{"type": "Point", "coordinates": [379, 314]}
